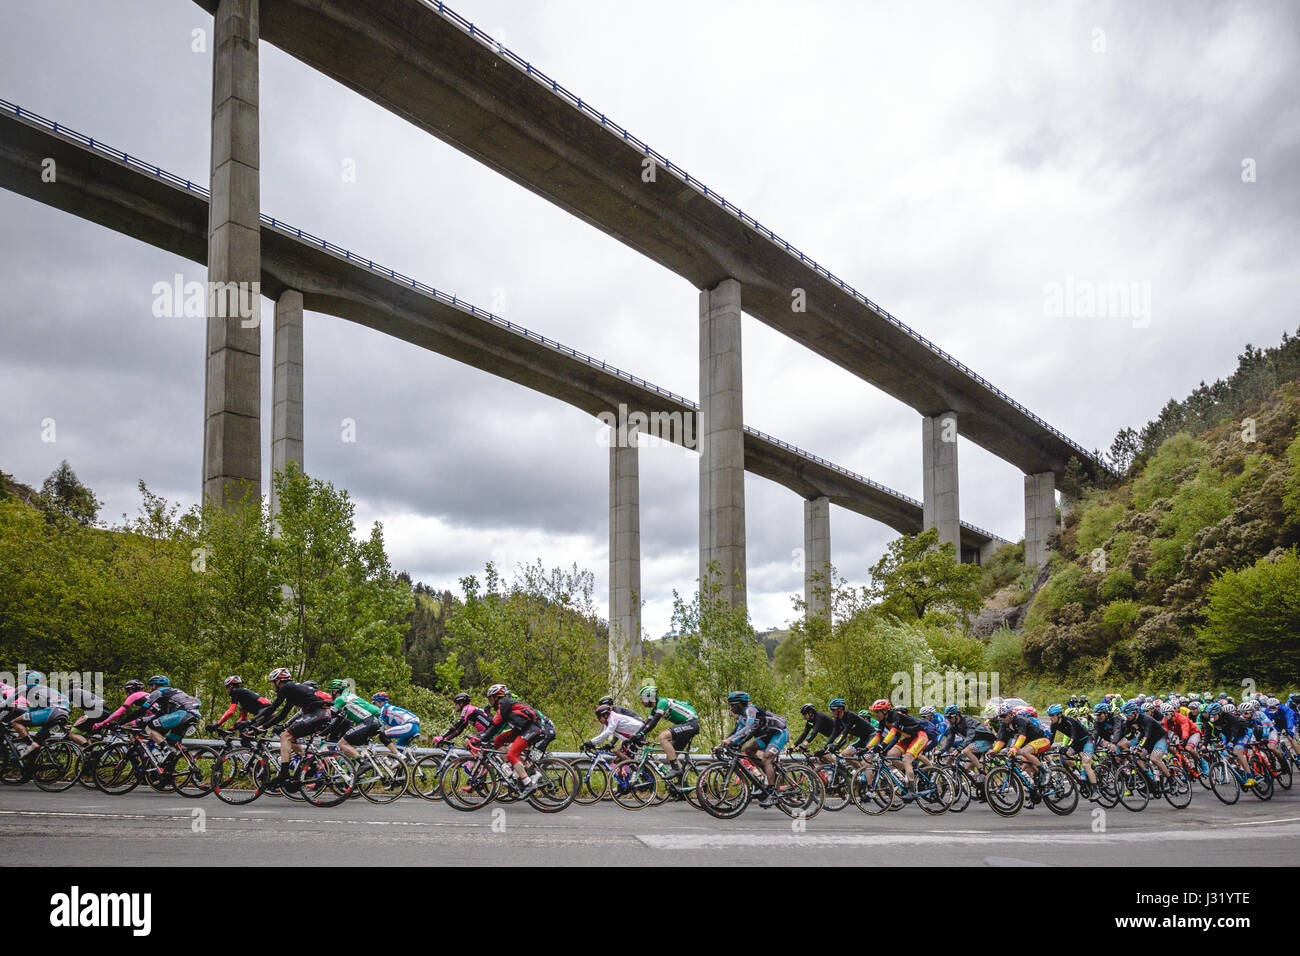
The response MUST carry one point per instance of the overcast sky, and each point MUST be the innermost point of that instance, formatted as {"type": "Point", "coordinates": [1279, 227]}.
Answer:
{"type": "Point", "coordinates": [951, 160]}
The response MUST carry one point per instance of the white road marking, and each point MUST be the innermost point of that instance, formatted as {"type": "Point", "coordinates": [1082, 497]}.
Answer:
{"type": "Point", "coordinates": [722, 841]}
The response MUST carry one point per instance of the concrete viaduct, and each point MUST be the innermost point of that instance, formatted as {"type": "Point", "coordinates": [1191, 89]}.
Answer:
{"type": "Point", "coordinates": [434, 69]}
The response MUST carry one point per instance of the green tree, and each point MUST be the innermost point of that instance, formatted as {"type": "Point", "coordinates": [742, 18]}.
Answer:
{"type": "Point", "coordinates": [1252, 624]}
{"type": "Point", "coordinates": [64, 495]}
{"type": "Point", "coordinates": [918, 576]}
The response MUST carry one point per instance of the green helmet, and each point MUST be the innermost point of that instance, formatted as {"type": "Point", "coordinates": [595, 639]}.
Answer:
{"type": "Point", "coordinates": [649, 694]}
{"type": "Point", "coordinates": [865, 715]}
{"type": "Point", "coordinates": [336, 686]}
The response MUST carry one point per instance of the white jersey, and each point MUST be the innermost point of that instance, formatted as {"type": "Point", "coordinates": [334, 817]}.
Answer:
{"type": "Point", "coordinates": [619, 725]}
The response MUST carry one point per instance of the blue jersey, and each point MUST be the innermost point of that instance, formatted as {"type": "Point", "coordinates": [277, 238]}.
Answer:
{"type": "Point", "coordinates": [393, 716]}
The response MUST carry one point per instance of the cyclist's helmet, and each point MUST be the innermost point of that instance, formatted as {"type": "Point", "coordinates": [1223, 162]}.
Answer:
{"type": "Point", "coordinates": [461, 699]}
{"type": "Point", "coordinates": [497, 690]}
{"type": "Point", "coordinates": [737, 697]}
{"type": "Point", "coordinates": [837, 704]}
{"type": "Point", "coordinates": [1193, 705]}
{"type": "Point", "coordinates": [159, 680]}
{"type": "Point", "coordinates": [133, 685]}
{"type": "Point", "coordinates": [1073, 702]}
{"type": "Point", "coordinates": [1006, 708]}
{"type": "Point", "coordinates": [379, 698]}
{"type": "Point", "coordinates": [864, 714]}
{"type": "Point", "coordinates": [604, 700]}
{"type": "Point", "coordinates": [32, 678]}
{"type": "Point", "coordinates": [279, 674]}
{"type": "Point", "coordinates": [649, 695]}
{"type": "Point", "coordinates": [927, 711]}
{"type": "Point", "coordinates": [952, 710]}
{"type": "Point", "coordinates": [1214, 710]}
{"type": "Point", "coordinates": [234, 680]}
{"type": "Point", "coordinates": [1132, 707]}
{"type": "Point", "coordinates": [1102, 708]}
{"type": "Point", "coordinates": [1166, 709]}
{"type": "Point", "coordinates": [807, 710]}
{"type": "Point", "coordinates": [881, 706]}
{"type": "Point", "coordinates": [336, 686]}
{"type": "Point", "coordinates": [1056, 710]}
{"type": "Point", "coordinates": [1273, 702]}
{"type": "Point", "coordinates": [603, 711]}
{"type": "Point", "coordinates": [1228, 707]}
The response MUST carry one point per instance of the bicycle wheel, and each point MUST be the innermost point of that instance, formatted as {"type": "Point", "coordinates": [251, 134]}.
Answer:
{"type": "Point", "coordinates": [324, 780]}
{"type": "Point", "coordinates": [1004, 791]}
{"type": "Point", "coordinates": [192, 771]}
{"type": "Point", "coordinates": [723, 793]}
{"type": "Point", "coordinates": [558, 787]}
{"type": "Point", "coordinates": [872, 798]}
{"type": "Point", "coordinates": [1262, 788]}
{"type": "Point", "coordinates": [116, 771]}
{"type": "Point", "coordinates": [935, 790]}
{"type": "Point", "coordinates": [1178, 788]}
{"type": "Point", "coordinates": [56, 766]}
{"type": "Point", "coordinates": [1281, 770]}
{"type": "Point", "coordinates": [964, 789]}
{"type": "Point", "coordinates": [800, 791]}
{"type": "Point", "coordinates": [633, 787]}
{"type": "Point", "coordinates": [380, 777]}
{"type": "Point", "coordinates": [1104, 788]}
{"type": "Point", "coordinates": [1131, 786]}
{"type": "Point", "coordinates": [424, 776]}
{"type": "Point", "coordinates": [240, 777]}
{"type": "Point", "coordinates": [1060, 791]}
{"type": "Point", "coordinates": [1224, 783]}
{"type": "Point", "coordinates": [593, 781]}
{"type": "Point", "coordinates": [86, 770]}
{"type": "Point", "coordinates": [467, 786]}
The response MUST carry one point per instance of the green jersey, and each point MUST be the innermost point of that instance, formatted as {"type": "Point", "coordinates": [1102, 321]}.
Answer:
{"type": "Point", "coordinates": [354, 708]}
{"type": "Point", "coordinates": [677, 711]}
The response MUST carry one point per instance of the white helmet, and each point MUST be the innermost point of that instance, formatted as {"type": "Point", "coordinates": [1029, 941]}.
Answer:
{"type": "Point", "coordinates": [1229, 707]}
{"type": "Point", "coordinates": [927, 711]}
{"type": "Point", "coordinates": [280, 673]}
{"type": "Point", "coordinates": [1166, 709]}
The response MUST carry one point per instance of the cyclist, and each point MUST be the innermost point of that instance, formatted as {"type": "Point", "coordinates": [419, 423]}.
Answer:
{"type": "Point", "coordinates": [468, 715]}
{"type": "Point", "coordinates": [516, 723]}
{"type": "Point", "coordinates": [760, 734]}
{"type": "Point", "coordinates": [398, 725]}
{"type": "Point", "coordinates": [1138, 720]}
{"type": "Point", "coordinates": [936, 728]}
{"type": "Point", "coordinates": [684, 725]}
{"type": "Point", "coordinates": [900, 736]}
{"type": "Point", "coordinates": [243, 701]}
{"type": "Point", "coordinates": [1016, 724]}
{"type": "Point", "coordinates": [90, 704]}
{"type": "Point", "coordinates": [817, 724]}
{"type": "Point", "coordinates": [314, 715]}
{"type": "Point", "coordinates": [1078, 740]}
{"type": "Point", "coordinates": [848, 725]}
{"type": "Point", "coordinates": [617, 727]}
{"type": "Point", "coordinates": [1181, 728]}
{"type": "Point", "coordinates": [349, 708]}
{"type": "Point", "coordinates": [171, 709]}
{"type": "Point", "coordinates": [975, 736]}
{"type": "Point", "coordinates": [132, 705]}
{"type": "Point", "coordinates": [1236, 733]}
{"type": "Point", "coordinates": [46, 709]}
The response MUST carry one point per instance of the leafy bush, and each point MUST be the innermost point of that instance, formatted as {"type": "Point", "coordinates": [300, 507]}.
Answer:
{"type": "Point", "coordinates": [1118, 617]}
{"type": "Point", "coordinates": [1253, 620]}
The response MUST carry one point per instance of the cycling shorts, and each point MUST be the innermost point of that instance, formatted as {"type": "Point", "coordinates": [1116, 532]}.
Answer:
{"type": "Point", "coordinates": [1193, 740]}
{"type": "Point", "coordinates": [1087, 748]}
{"type": "Point", "coordinates": [45, 715]}
{"type": "Point", "coordinates": [307, 723]}
{"type": "Point", "coordinates": [363, 731]}
{"type": "Point", "coordinates": [682, 734]}
{"type": "Point", "coordinates": [1036, 746]}
{"type": "Point", "coordinates": [1161, 746]}
{"type": "Point", "coordinates": [916, 745]}
{"type": "Point", "coordinates": [402, 734]}
{"type": "Point", "coordinates": [980, 746]}
{"type": "Point", "coordinates": [775, 742]}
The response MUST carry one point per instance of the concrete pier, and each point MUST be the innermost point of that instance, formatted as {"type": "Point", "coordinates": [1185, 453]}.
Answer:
{"type": "Point", "coordinates": [939, 496]}
{"type": "Point", "coordinates": [722, 440]}
{"type": "Point", "coordinates": [817, 559]}
{"type": "Point", "coordinates": [232, 438]}
{"type": "Point", "coordinates": [1040, 516]}
{"type": "Point", "coordinates": [286, 388]}
{"type": "Point", "coordinates": [624, 551]}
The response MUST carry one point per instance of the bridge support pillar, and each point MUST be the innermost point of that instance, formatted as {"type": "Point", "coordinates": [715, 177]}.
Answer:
{"type": "Point", "coordinates": [624, 554]}
{"type": "Point", "coordinates": [940, 507]}
{"type": "Point", "coordinates": [722, 441]}
{"type": "Point", "coordinates": [286, 389]}
{"type": "Point", "coordinates": [232, 435]}
{"type": "Point", "coordinates": [817, 559]}
{"type": "Point", "coordinates": [1040, 516]}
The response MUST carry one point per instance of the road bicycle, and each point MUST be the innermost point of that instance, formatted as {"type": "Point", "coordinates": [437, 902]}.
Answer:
{"type": "Point", "coordinates": [1007, 786]}
{"type": "Point", "coordinates": [123, 765]}
{"type": "Point", "coordinates": [726, 787]}
{"type": "Point", "coordinates": [835, 777]}
{"type": "Point", "coordinates": [473, 782]}
{"type": "Point", "coordinates": [882, 786]}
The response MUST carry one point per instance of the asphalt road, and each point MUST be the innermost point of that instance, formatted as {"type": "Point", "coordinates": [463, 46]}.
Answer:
{"type": "Point", "coordinates": [81, 827]}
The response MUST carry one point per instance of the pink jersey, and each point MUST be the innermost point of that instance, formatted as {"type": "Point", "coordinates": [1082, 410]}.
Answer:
{"type": "Point", "coordinates": [131, 701]}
